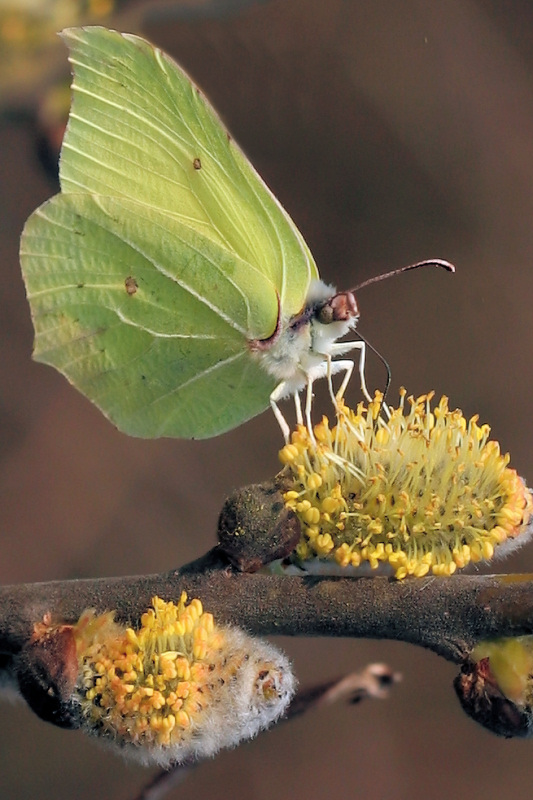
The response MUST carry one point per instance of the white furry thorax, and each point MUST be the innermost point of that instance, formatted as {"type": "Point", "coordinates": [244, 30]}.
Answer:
{"type": "Point", "coordinates": [300, 350]}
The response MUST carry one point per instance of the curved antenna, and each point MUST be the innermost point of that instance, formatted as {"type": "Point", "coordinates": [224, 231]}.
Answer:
{"type": "Point", "coordinates": [385, 364]}
{"type": "Point", "coordinates": [433, 262]}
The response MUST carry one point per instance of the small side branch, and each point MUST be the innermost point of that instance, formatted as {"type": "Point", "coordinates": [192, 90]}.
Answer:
{"type": "Point", "coordinates": [372, 683]}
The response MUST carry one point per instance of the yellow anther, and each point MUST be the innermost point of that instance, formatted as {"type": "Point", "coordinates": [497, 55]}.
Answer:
{"type": "Point", "coordinates": [183, 719]}
{"type": "Point", "coordinates": [324, 544]}
{"type": "Point", "coordinates": [342, 555]}
{"type": "Point", "coordinates": [487, 550]}
{"type": "Point", "coordinates": [330, 505]}
{"type": "Point", "coordinates": [421, 570]}
{"type": "Point", "coordinates": [288, 454]}
{"type": "Point", "coordinates": [314, 481]}
{"type": "Point", "coordinates": [292, 495]}
{"type": "Point", "coordinates": [312, 516]}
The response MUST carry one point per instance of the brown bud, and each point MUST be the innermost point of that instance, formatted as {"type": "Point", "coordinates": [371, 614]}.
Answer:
{"type": "Point", "coordinates": [47, 670]}
{"type": "Point", "coordinates": [255, 527]}
{"type": "Point", "coordinates": [483, 701]}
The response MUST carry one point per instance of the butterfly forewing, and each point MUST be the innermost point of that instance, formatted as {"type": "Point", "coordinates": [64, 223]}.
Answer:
{"type": "Point", "coordinates": [165, 257]}
{"type": "Point", "coordinates": [139, 128]}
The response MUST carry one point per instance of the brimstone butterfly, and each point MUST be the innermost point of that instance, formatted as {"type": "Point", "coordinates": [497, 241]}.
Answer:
{"type": "Point", "coordinates": [165, 280]}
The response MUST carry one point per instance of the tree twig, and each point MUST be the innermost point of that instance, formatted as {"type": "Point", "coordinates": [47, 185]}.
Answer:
{"type": "Point", "coordinates": [372, 682]}
{"type": "Point", "coordinates": [446, 615]}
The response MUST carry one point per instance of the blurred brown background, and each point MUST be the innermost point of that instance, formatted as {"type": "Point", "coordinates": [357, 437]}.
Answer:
{"type": "Point", "coordinates": [391, 132]}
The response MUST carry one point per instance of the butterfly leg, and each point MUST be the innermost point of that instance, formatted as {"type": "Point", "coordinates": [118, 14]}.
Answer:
{"type": "Point", "coordinates": [308, 406]}
{"type": "Point", "coordinates": [278, 394]}
{"type": "Point", "coordinates": [330, 382]}
{"type": "Point", "coordinates": [298, 407]}
{"type": "Point", "coordinates": [344, 364]}
{"type": "Point", "coordinates": [338, 366]}
{"type": "Point", "coordinates": [347, 366]}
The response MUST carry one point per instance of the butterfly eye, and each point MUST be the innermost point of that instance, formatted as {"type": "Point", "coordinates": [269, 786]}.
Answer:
{"type": "Point", "coordinates": [340, 308]}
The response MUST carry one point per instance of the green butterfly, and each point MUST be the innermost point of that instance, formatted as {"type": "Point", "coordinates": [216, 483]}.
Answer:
{"type": "Point", "coordinates": [165, 280]}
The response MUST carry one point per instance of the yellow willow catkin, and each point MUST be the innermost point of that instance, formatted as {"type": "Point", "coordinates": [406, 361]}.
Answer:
{"type": "Point", "coordinates": [422, 491]}
{"type": "Point", "coordinates": [181, 686]}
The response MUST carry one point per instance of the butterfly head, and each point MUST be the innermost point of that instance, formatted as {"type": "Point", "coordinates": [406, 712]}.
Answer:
{"type": "Point", "coordinates": [341, 307]}
{"type": "Point", "coordinates": [326, 307]}
{"type": "Point", "coordinates": [301, 343]}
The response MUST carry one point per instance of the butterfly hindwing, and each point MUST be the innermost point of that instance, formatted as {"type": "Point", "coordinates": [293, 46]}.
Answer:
{"type": "Point", "coordinates": [107, 281]}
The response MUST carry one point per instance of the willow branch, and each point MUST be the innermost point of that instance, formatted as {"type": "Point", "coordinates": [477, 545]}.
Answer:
{"type": "Point", "coordinates": [445, 615]}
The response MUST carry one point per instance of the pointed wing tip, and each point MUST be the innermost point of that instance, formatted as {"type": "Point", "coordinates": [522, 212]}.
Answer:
{"type": "Point", "coordinates": [79, 35]}
{"type": "Point", "coordinates": [79, 32]}
{"type": "Point", "coordinates": [71, 33]}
